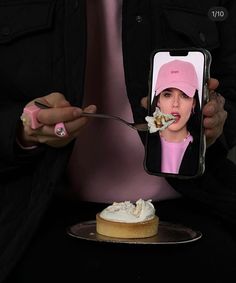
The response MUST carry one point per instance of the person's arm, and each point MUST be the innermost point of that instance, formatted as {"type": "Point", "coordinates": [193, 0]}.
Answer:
{"type": "Point", "coordinates": [216, 188]}
{"type": "Point", "coordinates": [21, 146]}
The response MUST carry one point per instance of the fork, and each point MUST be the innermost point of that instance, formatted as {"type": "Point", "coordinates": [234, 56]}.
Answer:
{"type": "Point", "coordinates": [139, 127]}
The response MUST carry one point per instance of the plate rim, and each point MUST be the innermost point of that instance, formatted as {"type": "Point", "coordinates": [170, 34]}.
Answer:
{"type": "Point", "coordinates": [141, 241]}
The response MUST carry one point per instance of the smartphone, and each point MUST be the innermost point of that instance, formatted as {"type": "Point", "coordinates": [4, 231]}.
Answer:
{"type": "Point", "coordinates": [175, 143]}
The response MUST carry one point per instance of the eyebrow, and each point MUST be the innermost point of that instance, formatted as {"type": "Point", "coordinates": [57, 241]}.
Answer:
{"type": "Point", "coordinates": [168, 89]}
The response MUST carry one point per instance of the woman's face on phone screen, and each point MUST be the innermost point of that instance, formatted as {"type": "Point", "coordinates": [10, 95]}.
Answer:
{"type": "Point", "coordinates": [174, 101]}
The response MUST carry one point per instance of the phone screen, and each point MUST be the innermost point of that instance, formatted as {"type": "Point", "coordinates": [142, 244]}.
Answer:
{"type": "Point", "coordinates": [175, 144]}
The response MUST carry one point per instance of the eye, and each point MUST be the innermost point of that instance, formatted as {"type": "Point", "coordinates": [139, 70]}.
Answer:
{"type": "Point", "coordinates": [166, 93]}
{"type": "Point", "coordinates": [185, 96]}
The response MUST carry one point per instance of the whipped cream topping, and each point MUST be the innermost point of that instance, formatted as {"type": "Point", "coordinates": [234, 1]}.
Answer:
{"type": "Point", "coordinates": [129, 212]}
{"type": "Point", "coordinates": [159, 121]}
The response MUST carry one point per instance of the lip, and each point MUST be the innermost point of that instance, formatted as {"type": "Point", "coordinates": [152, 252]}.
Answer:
{"type": "Point", "coordinates": [176, 115]}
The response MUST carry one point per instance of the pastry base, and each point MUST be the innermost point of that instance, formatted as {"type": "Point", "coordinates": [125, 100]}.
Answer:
{"type": "Point", "coordinates": [143, 229]}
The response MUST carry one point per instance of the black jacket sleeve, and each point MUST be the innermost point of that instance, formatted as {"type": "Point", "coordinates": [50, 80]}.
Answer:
{"type": "Point", "coordinates": [215, 189]}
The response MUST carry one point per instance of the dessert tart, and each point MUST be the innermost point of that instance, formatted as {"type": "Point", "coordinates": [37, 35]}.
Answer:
{"type": "Point", "coordinates": [126, 220]}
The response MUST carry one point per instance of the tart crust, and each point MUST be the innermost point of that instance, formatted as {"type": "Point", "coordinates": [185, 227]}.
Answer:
{"type": "Point", "coordinates": [116, 229]}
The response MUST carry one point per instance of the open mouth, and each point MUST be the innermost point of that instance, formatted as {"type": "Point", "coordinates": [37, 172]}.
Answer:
{"type": "Point", "coordinates": [177, 116]}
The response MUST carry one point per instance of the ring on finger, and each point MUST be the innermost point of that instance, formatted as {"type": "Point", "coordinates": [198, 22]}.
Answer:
{"type": "Point", "coordinates": [60, 130]}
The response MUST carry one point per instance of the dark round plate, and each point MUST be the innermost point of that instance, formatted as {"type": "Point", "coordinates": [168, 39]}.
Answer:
{"type": "Point", "coordinates": [168, 234]}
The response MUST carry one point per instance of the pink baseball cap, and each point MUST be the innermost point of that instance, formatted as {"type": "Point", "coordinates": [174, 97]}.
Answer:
{"type": "Point", "coordinates": [177, 74]}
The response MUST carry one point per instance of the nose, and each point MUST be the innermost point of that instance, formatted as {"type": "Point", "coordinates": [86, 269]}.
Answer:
{"type": "Point", "coordinates": [175, 100]}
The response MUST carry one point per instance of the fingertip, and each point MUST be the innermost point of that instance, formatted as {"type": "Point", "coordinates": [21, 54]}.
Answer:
{"type": "Point", "coordinates": [91, 108]}
{"type": "Point", "coordinates": [213, 83]}
{"type": "Point", "coordinates": [144, 102]}
{"type": "Point", "coordinates": [209, 110]}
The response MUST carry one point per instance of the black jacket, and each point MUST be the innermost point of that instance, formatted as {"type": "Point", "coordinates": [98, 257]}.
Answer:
{"type": "Point", "coordinates": [42, 49]}
{"type": "Point", "coordinates": [190, 165]}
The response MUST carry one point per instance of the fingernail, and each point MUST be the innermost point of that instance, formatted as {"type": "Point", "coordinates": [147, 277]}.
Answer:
{"type": "Point", "coordinates": [25, 120]}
